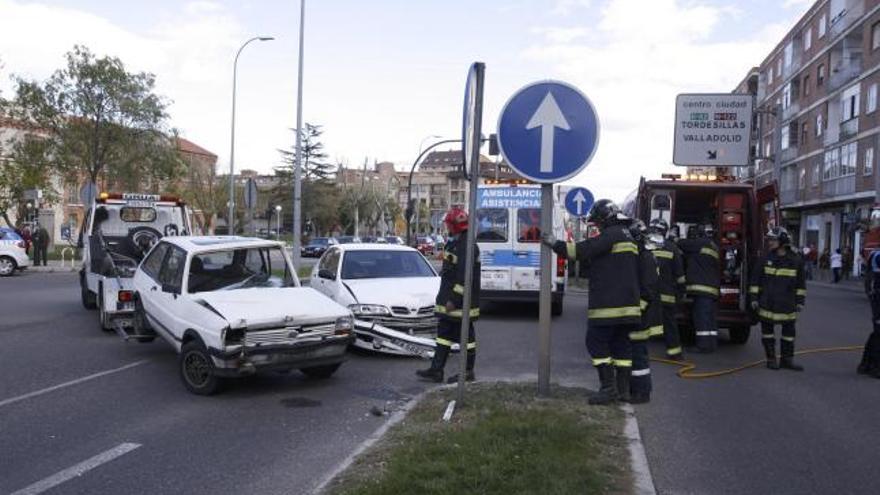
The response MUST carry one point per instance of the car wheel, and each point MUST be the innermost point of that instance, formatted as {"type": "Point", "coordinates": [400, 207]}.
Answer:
{"type": "Point", "coordinates": [89, 301]}
{"type": "Point", "coordinates": [325, 371]}
{"type": "Point", "coordinates": [103, 320]}
{"type": "Point", "coordinates": [740, 335]}
{"type": "Point", "coordinates": [7, 266]}
{"type": "Point", "coordinates": [197, 369]}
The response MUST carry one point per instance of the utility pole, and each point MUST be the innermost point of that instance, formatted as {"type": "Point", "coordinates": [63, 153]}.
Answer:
{"type": "Point", "coordinates": [297, 170]}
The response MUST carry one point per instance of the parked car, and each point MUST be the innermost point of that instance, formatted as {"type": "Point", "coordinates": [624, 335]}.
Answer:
{"type": "Point", "coordinates": [349, 239]}
{"type": "Point", "coordinates": [12, 254]}
{"type": "Point", "coordinates": [316, 247]}
{"type": "Point", "coordinates": [233, 306]}
{"type": "Point", "coordinates": [395, 240]}
{"type": "Point", "coordinates": [371, 239]}
{"type": "Point", "coordinates": [389, 289]}
{"type": "Point", "coordinates": [425, 245]}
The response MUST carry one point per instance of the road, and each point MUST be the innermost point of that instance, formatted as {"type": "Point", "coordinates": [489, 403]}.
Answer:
{"type": "Point", "coordinates": [267, 434]}
{"type": "Point", "coordinates": [138, 431]}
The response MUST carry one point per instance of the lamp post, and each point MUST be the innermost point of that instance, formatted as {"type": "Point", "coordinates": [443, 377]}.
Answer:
{"type": "Point", "coordinates": [297, 169]}
{"type": "Point", "coordinates": [409, 206]}
{"type": "Point", "coordinates": [230, 220]}
{"type": "Point", "coordinates": [277, 222]}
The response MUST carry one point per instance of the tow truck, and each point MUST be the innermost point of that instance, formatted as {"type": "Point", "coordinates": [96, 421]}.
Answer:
{"type": "Point", "coordinates": [118, 231]}
{"type": "Point", "coordinates": [740, 213]}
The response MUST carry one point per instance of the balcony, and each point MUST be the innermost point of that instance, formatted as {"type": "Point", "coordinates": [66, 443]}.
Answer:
{"type": "Point", "coordinates": [848, 16]}
{"type": "Point", "coordinates": [788, 154]}
{"type": "Point", "coordinates": [791, 196]}
{"type": "Point", "coordinates": [839, 187]}
{"type": "Point", "coordinates": [849, 128]}
{"type": "Point", "coordinates": [844, 73]}
{"type": "Point", "coordinates": [793, 109]}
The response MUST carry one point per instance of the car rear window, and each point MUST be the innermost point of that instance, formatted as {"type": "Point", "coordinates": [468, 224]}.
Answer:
{"type": "Point", "coordinates": [384, 264]}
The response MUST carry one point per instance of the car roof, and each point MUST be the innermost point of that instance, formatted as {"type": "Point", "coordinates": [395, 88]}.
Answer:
{"type": "Point", "coordinates": [373, 247]}
{"type": "Point", "coordinates": [200, 244]}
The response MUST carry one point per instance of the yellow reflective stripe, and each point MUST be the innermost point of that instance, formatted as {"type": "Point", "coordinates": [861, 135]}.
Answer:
{"type": "Point", "coordinates": [681, 279]}
{"type": "Point", "coordinates": [625, 247]}
{"type": "Point", "coordinates": [643, 305]}
{"type": "Point", "coordinates": [655, 330]}
{"type": "Point", "coordinates": [709, 252]}
{"type": "Point", "coordinates": [763, 313]}
{"type": "Point", "coordinates": [601, 361]}
{"type": "Point", "coordinates": [457, 313]}
{"type": "Point", "coordinates": [451, 257]}
{"type": "Point", "coordinates": [673, 351]}
{"type": "Point", "coordinates": [703, 288]}
{"type": "Point", "coordinates": [472, 345]}
{"type": "Point", "coordinates": [440, 309]}
{"type": "Point", "coordinates": [663, 254]}
{"type": "Point", "coordinates": [622, 363]}
{"type": "Point", "coordinates": [621, 312]}
{"type": "Point", "coordinates": [788, 339]}
{"type": "Point", "coordinates": [754, 289]}
{"type": "Point", "coordinates": [780, 272]}
{"type": "Point", "coordinates": [640, 335]}
{"type": "Point", "coordinates": [802, 292]}
{"type": "Point", "coordinates": [442, 341]}
{"type": "Point", "coordinates": [667, 298]}
{"type": "Point", "coordinates": [458, 289]}
{"type": "Point", "coordinates": [571, 249]}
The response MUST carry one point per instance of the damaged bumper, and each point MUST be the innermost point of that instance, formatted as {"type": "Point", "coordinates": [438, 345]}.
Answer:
{"type": "Point", "coordinates": [372, 336]}
{"type": "Point", "coordinates": [239, 361]}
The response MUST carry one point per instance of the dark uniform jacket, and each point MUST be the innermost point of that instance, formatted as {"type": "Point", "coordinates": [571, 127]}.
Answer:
{"type": "Point", "coordinates": [652, 309]}
{"type": "Point", "coordinates": [779, 286]}
{"type": "Point", "coordinates": [671, 263]}
{"type": "Point", "coordinates": [702, 267]}
{"type": "Point", "coordinates": [452, 279]}
{"type": "Point", "coordinates": [613, 269]}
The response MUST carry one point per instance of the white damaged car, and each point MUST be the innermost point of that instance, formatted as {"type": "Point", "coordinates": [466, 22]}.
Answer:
{"type": "Point", "coordinates": [232, 306]}
{"type": "Point", "coordinates": [390, 289]}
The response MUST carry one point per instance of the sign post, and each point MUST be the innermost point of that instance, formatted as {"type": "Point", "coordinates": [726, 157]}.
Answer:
{"type": "Point", "coordinates": [712, 130]}
{"type": "Point", "coordinates": [250, 201]}
{"type": "Point", "coordinates": [548, 131]}
{"type": "Point", "coordinates": [472, 130]}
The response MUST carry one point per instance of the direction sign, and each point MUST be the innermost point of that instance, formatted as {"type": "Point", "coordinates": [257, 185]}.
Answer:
{"type": "Point", "coordinates": [712, 130]}
{"type": "Point", "coordinates": [578, 201]}
{"type": "Point", "coordinates": [548, 131]}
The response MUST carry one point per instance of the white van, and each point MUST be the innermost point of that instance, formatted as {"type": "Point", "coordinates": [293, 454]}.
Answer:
{"type": "Point", "coordinates": [509, 237]}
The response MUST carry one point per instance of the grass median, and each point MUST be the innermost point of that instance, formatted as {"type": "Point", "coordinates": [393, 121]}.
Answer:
{"type": "Point", "coordinates": [504, 441]}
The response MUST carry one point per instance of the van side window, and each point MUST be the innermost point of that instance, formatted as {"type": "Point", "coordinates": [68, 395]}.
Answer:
{"type": "Point", "coordinates": [492, 225]}
{"type": "Point", "coordinates": [528, 225]}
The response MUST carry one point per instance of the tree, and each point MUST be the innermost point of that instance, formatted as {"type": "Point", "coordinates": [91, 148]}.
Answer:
{"type": "Point", "coordinates": [99, 121]}
{"type": "Point", "coordinates": [314, 159]}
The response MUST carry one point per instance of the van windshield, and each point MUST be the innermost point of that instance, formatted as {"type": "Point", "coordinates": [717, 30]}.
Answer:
{"type": "Point", "coordinates": [492, 225]}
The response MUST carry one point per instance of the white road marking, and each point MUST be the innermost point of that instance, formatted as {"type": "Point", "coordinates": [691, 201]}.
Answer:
{"type": "Point", "coordinates": [643, 481]}
{"type": "Point", "coordinates": [29, 395]}
{"type": "Point", "coordinates": [77, 469]}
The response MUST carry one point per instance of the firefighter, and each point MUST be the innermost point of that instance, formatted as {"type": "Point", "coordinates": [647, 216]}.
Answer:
{"type": "Point", "coordinates": [778, 291]}
{"type": "Point", "coordinates": [652, 319]}
{"type": "Point", "coordinates": [449, 303]}
{"type": "Point", "coordinates": [870, 364]}
{"type": "Point", "coordinates": [703, 283]}
{"type": "Point", "coordinates": [672, 279]}
{"type": "Point", "coordinates": [612, 260]}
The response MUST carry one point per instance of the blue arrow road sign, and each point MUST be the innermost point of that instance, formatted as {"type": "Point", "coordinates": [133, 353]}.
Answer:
{"type": "Point", "coordinates": [578, 201]}
{"type": "Point", "coordinates": [548, 131]}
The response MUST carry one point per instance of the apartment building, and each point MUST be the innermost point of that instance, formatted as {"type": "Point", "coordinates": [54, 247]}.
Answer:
{"type": "Point", "coordinates": [818, 124]}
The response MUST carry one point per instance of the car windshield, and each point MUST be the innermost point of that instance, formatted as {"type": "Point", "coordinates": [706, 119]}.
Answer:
{"type": "Point", "coordinates": [243, 268]}
{"type": "Point", "coordinates": [384, 264]}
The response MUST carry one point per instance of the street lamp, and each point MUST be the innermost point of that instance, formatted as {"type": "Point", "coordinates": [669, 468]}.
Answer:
{"type": "Point", "coordinates": [277, 222]}
{"type": "Point", "coordinates": [230, 220]}
{"type": "Point", "coordinates": [297, 169]}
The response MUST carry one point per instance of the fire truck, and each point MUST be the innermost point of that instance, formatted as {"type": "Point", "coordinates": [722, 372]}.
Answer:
{"type": "Point", "coordinates": [870, 243]}
{"type": "Point", "coordinates": [741, 214]}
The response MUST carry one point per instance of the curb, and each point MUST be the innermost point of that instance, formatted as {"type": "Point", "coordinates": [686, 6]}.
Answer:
{"type": "Point", "coordinates": [643, 481]}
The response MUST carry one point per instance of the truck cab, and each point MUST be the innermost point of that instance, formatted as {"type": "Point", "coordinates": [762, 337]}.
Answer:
{"type": "Point", "coordinates": [117, 233]}
{"type": "Point", "coordinates": [740, 215]}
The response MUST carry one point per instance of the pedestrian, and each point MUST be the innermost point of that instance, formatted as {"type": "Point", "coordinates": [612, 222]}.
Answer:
{"type": "Point", "coordinates": [807, 252]}
{"type": "Point", "coordinates": [26, 237]}
{"type": "Point", "coordinates": [836, 265]}
{"type": "Point", "coordinates": [612, 266]}
{"type": "Point", "coordinates": [41, 244]}
{"type": "Point", "coordinates": [778, 291]}
{"type": "Point", "coordinates": [847, 262]}
{"type": "Point", "coordinates": [703, 283]}
{"type": "Point", "coordinates": [870, 364]}
{"type": "Point", "coordinates": [652, 320]}
{"type": "Point", "coordinates": [671, 264]}
{"type": "Point", "coordinates": [449, 301]}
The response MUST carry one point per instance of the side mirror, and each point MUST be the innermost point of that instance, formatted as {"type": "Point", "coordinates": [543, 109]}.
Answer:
{"type": "Point", "coordinates": [325, 273]}
{"type": "Point", "coordinates": [170, 289]}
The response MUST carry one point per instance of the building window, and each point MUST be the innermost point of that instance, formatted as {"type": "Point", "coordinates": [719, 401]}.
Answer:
{"type": "Point", "coordinates": [767, 149]}
{"type": "Point", "coordinates": [849, 102]}
{"type": "Point", "coordinates": [779, 64]}
{"type": "Point", "coordinates": [808, 38]}
{"type": "Point", "coordinates": [784, 136]}
{"type": "Point", "coordinates": [819, 125]}
{"type": "Point", "coordinates": [814, 178]}
{"type": "Point", "coordinates": [802, 178]}
{"type": "Point", "coordinates": [875, 36]}
{"type": "Point", "coordinates": [869, 161]}
{"type": "Point", "coordinates": [770, 76]}
{"type": "Point", "coordinates": [872, 98]}
{"type": "Point", "coordinates": [822, 22]}
{"type": "Point", "coordinates": [849, 157]}
{"type": "Point", "coordinates": [832, 164]}
{"type": "Point", "coordinates": [786, 96]}
{"type": "Point", "coordinates": [805, 133]}
{"type": "Point", "coordinates": [806, 86]}
{"type": "Point", "coordinates": [820, 75]}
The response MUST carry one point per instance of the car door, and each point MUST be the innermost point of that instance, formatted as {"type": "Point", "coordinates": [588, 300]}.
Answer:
{"type": "Point", "coordinates": [325, 278]}
{"type": "Point", "coordinates": [146, 279]}
{"type": "Point", "coordinates": [167, 293]}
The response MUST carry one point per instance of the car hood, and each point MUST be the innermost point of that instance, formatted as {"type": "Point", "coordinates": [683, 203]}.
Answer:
{"type": "Point", "coordinates": [410, 292]}
{"type": "Point", "coordinates": [265, 307]}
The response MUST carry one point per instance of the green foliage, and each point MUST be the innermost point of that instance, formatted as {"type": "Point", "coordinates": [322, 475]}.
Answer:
{"type": "Point", "coordinates": [314, 158]}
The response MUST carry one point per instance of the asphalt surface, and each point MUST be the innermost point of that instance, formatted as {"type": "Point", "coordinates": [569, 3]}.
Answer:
{"type": "Point", "coordinates": [266, 434]}
{"type": "Point", "coordinates": [757, 431]}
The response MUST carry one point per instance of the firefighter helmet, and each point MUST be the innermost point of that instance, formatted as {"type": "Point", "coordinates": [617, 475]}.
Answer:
{"type": "Point", "coordinates": [604, 212]}
{"type": "Point", "coordinates": [456, 220]}
{"type": "Point", "coordinates": [659, 226]}
{"type": "Point", "coordinates": [707, 230]}
{"type": "Point", "coordinates": [638, 230]}
{"type": "Point", "coordinates": [779, 234]}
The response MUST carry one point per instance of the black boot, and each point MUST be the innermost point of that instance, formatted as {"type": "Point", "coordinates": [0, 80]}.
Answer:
{"type": "Point", "coordinates": [787, 361]}
{"type": "Point", "coordinates": [865, 365]}
{"type": "Point", "coordinates": [770, 352]}
{"type": "Point", "coordinates": [435, 372]}
{"type": "Point", "coordinates": [623, 378]}
{"type": "Point", "coordinates": [469, 375]}
{"type": "Point", "coordinates": [607, 393]}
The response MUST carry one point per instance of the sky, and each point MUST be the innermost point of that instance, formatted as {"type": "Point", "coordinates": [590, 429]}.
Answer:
{"type": "Point", "coordinates": [384, 76]}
